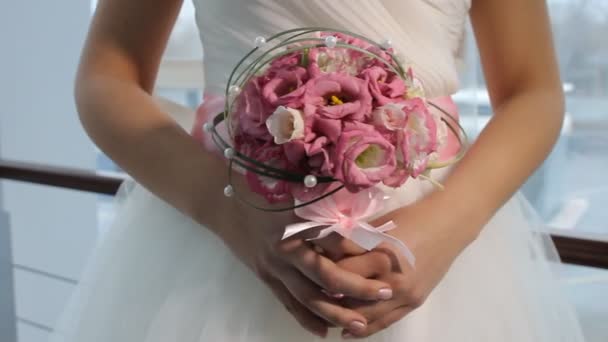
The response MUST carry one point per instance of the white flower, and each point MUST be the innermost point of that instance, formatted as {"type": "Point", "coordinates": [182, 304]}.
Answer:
{"type": "Point", "coordinates": [391, 116]}
{"type": "Point", "coordinates": [414, 89]}
{"type": "Point", "coordinates": [286, 124]}
{"type": "Point", "coordinates": [442, 131]}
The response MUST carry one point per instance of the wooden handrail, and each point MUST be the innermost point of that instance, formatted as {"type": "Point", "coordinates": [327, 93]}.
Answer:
{"type": "Point", "coordinates": [61, 177]}
{"type": "Point", "coordinates": [573, 250]}
{"type": "Point", "coordinates": [582, 251]}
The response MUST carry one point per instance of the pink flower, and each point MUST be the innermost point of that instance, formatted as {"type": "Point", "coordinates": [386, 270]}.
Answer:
{"type": "Point", "coordinates": [417, 142]}
{"type": "Point", "coordinates": [329, 128]}
{"type": "Point", "coordinates": [313, 156]}
{"type": "Point", "coordinates": [252, 111]}
{"type": "Point", "coordinates": [273, 190]}
{"type": "Point", "coordinates": [390, 117]}
{"type": "Point", "coordinates": [398, 177]}
{"type": "Point", "coordinates": [285, 87]}
{"type": "Point", "coordinates": [337, 96]}
{"type": "Point", "coordinates": [318, 156]}
{"type": "Point", "coordinates": [325, 60]}
{"type": "Point", "coordinates": [386, 87]}
{"type": "Point", "coordinates": [421, 126]}
{"type": "Point", "coordinates": [288, 60]}
{"type": "Point", "coordinates": [362, 157]}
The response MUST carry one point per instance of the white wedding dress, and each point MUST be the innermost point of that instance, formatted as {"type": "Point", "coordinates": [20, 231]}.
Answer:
{"type": "Point", "coordinates": [158, 276]}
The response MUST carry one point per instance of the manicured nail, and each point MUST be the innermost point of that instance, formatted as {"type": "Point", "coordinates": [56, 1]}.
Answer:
{"type": "Point", "coordinates": [347, 336]}
{"type": "Point", "coordinates": [321, 334]}
{"type": "Point", "coordinates": [385, 294]}
{"type": "Point", "coordinates": [356, 326]}
{"type": "Point", "coordinates": [333, 295]}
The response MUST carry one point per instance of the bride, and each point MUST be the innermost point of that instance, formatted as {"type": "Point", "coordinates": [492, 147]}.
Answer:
{"type": "Point", "coordinates": [184, 263]}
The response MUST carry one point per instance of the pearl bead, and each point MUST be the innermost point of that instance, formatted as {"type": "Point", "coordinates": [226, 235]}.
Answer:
{"type": "Point", "coordinates": [208, 127]}
{"type": "Point", "coordinates": [331, 42]}
{"type": "Point", "coordinates": [310, 181]}
{"type": "Point", "coordinates": [228, 191]}
{"type": "Point", "coordinates": [387, 44]}
{"type": "Point", "coordinates": [234, 90]}
{"type": "Point", "coordinates": [229, 153]}
{"type": "Point", "coordinates": [260, 42]}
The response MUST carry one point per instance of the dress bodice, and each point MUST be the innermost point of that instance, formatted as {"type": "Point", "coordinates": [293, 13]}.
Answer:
{"type": "Point", "coordinates": [427, 33]}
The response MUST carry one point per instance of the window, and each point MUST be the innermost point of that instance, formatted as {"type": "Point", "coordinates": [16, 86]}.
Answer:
{"type": "Point", "coordinates": [569, 189]}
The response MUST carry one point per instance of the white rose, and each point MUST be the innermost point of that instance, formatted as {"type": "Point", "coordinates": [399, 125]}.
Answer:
{"type": "Point", "coordinates": [285, 125]}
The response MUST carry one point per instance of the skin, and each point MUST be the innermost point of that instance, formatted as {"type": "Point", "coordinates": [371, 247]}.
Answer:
{"type": "Point", "coordinates": [113, 93]}
{"type": "Point", "coordinates": [520, 67]}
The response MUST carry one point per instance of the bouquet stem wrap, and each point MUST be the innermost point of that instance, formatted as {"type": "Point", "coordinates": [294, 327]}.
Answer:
{"type": "Point", "coordinates": [347, 214]}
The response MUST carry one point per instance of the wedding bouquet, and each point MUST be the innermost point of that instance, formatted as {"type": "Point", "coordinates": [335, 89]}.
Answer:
{"type": "Point", "coordinates": [321, 118]}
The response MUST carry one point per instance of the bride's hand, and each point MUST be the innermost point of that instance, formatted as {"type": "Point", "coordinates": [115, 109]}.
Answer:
{"type": "Point", "coordinates": [436, 239]}
{"type": "Point", "coordinates": [295, 272]}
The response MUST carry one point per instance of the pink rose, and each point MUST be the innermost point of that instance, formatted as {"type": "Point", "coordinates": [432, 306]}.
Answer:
{"type": "Point", "coordinates": [289, 60]}
{"type": "Point", "coordinates": [318, 156]}
{"type": "Point", "coordinates": [402, 172]}
{"type": "Point", "coordinates": [421, 126]}
{"type": "Point", "coordinates": [252, 111]}
{"type": "Point", "coordinates": [398, 177]}
{"type": "Point", "coordinates": [417, 142]}
{"type": "Point", "coordinates": [273, 190]}
{"type": "Point", "coordinates": [325, 60]}
{"type": "Point", "coordinates": [337, 96]}
{"type": "Point", "coordinates": [362, 157]}
{"type": "Point", "coordinates": [285, 87]}
{"type": "Point", "coordinates": [386, 87]}
{"type": "Point", "coordinates": [329, 128]}
{"type": "Point", "coordinates": [390, 116]}
{"type": "Point", "coordinates": [313, 156]}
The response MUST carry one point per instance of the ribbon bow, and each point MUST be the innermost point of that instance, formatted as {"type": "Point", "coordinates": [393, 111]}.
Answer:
{"type": "Point", "coordinates": [346, 214]}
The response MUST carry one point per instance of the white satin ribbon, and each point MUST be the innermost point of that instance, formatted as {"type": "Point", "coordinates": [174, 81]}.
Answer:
{"type": "Point", "coordinates": [347, 214]}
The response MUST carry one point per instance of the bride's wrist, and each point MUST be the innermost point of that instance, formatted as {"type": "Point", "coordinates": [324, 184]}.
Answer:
{"type": "Point", "coordinates": [431, 219]}
{"type": "Point", "coordinates": [460, 217]}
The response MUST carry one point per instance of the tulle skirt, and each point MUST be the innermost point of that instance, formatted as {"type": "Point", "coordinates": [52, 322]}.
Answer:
{"type": "Point", "coordinates": [159, 276]}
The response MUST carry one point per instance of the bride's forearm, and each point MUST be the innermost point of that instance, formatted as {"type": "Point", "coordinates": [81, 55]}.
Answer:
{"type": "Point", "coordinates": [126, 123]}
{"type": "Point", "coordinates": [519, 137]}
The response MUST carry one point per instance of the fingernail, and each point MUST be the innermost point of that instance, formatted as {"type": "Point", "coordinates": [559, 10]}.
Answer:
{"type": "Point", "coordinates": [333, 295]}
{"type": "Point", "coordinates": [385, 294]}
{"type": "Point", "coordinates": [347, 336]}
{"type": "Point", "coordinates": [356, 326]}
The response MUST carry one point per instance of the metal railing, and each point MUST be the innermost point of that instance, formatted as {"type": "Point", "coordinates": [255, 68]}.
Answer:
{"type": "Point", "coordinates": [572, 250]}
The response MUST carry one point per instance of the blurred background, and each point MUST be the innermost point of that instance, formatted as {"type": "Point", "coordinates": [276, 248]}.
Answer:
{"type": "Point", "coordinates": [46, 233]}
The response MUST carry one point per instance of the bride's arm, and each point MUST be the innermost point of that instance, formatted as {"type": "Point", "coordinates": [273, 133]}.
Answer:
{"type": "Point", "coordinates": [113, 93]}
{"type": "Point", "coordinates": [516, 48]}
{"type": "Point", "coordinates": [520, 67]}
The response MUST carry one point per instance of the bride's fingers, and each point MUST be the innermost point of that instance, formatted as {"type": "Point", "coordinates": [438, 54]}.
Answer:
{"type": "Point", "coordinates": [372, 311]}
{"type": "Point", "coordinates": [307, 319]}
{"type": "Point", "coordinates": [337, 247]}
{"type": "Point", "coordinates": [334, 279]}
{"type": "Point", "coordinates": [369, 265]}
{"type": "Point", "coordinates": [380, 324]}
{"type": "Point", "coordinates": [309, 295]}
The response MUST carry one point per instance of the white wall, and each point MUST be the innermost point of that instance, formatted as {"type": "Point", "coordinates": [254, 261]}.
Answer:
{"type": "Point", "coordinates": [52, 230]}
